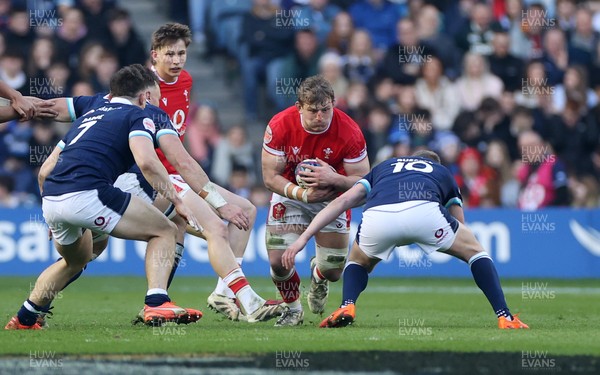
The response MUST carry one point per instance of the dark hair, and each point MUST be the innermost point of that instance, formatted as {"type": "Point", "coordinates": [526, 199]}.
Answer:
{"type": "Point", "coordinates": [170, 33]}
{"type": "Point", "coordinates": [117, 14]}
{"type": "Point", "coordinates": [428, 154]}
{"type": "Point", "coordinates": [315, 90]}
{"type": "Point", "coordinates": [130, 80]}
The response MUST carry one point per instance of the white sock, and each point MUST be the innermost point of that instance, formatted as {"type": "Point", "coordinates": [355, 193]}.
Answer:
{"type": "Point", "coordinates": [222, 287]}
{"type": "Point", "coordinates": [248, 298]}
{"type": "Point", "coordinates": [156, 291]}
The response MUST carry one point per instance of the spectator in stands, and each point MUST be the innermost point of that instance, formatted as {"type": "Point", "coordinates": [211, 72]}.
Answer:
{"type": "Point", "coordinates": [476, 36]}
{"type": "Point", "coordinates": [302, 62]}
{"type": "Point", "coordinates": [377, 129]}
{"type": "Point", "coordinates": [407, 106]}
{"type": "Point", "coordinates": [494, 123]}
{"type": "Point", "coordinates": [95, 14]}
{"type": "Point", "coordinates": [359, 63]}
{"type": "Point", "coordinates": [379, 18]}
{"type": "Point", "coordinates": [403, 61]}
{"type": "Point", "coordinates": [583, 39]}
{"type": "Point", "coordinates": [533, 23]}
{"type": "Point", "coordinates": [12, 71]}
{"type": "Point", "coordinates": [108, 64]}
{"type": "Point", "coordinates": [505, 66]}
{"type": "Point", "coordinates": [239, 181]}
{"type": "Point", "coordinates": [203, 134]}
{"type": "Point", "coordinates": [542, 175]}
{"type": "Point", "coordinates": [82, 88]}
{"type": "Point", "coordinates": [477, 182]}
{"type": "Point", "coordinates": [468, 129]}
{"type": "Point", "coordinates": [40, 57]}
{"type": "Point", "coordinates": [260, 196]}
{"type": "Point", "coordinates": [497, 158]}
{"type": "Point", "coordinates": [263, 47]}
{"type": "Point", "coordinates": [456, 15]}
{"type": "Point", "coordinates": [575, 88]}
{"type": "Point", "coordinates": [19, 34]}
{"type": "Point", "coordinates": [59, 80]}
{"type": "Point", "coordinates": [123, 39]}
{"type": "Point", "coordinates": [556, 56]}
{"type": "Point", "coordinates": [5, 6]}
{"type": "Point", "coordinates": [338, 39]}
{"type": "Point", "coordinates": [234, 149]}
{"type": "Point", "coordinates": [89, 59]}
{"type": "Point", "coordinates": [430, 34]}
{"type": "Point", "coordinates": [356, 103]}
{"type": "Point", "coordinates": [2, 44]}
{"type": "Point", "coordinates": [574, 135]}
{"type": "Point", "coordinates": [386, 92]}
{"type": "Point", "coordinates": [512, 22]}
{"type": "Point", "coordinates": [320, 15]}
{"type": "Point", "coordinates": [584, 191]}
{"type": "Point", "coordinates": [535, 90]}
{"type": "Point", "coordinates": [398, 145]}
{"type": "Point", "coordinates": [70, 38]}
{"type": "Point", "coordinates": [437, 94]}
{"type": "Point", "coordinates": [448, 147]}
{"type": "Point", "coordinates": [565, 14]}
{"type": "Point", "coordinates": [477, 82]}
{"type": "Point", "coordinates": [330, 66]}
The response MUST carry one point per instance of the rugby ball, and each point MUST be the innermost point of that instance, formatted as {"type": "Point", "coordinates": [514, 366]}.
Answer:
{"type": "Point", "coordinates": [304, 165]}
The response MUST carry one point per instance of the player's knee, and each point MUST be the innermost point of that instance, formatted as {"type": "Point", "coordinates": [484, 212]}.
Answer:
{"type": "Point", "coordinates": [216, 229]}
{"type": "Point", "coordinates": [331, 261]}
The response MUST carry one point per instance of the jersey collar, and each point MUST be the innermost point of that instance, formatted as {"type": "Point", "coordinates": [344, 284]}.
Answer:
{"type": "Point", "coordinates": [120, 100]}
{"type": "Point", "coordinates": [162, 80]}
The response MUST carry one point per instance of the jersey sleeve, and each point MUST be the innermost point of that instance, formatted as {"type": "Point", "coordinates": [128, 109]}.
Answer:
{"type": "Point", "coordinates": [356, 148]}
{"type": "Point", "coordinates": [367, 181]}
{"type": "Point", "coordinates": [273, 142]}
{"type": "Point", "coordinates": [80, 105]}
{"type": "Point", "coordinates": [453, 196]}
{"type": "Point", "coordinates": [162, 122]}
{"type": "Point", "coordinates": [143, 126]}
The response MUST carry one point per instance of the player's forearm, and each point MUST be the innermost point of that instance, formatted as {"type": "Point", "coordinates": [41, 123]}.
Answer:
{"type": "Point", "coordinates": [282, 186]}
{"type": "Point", "coordinates": [344, 183]}
{"type": "Point", "coordinates": [8, 113]}
{"type": "Point", "coordinates": [191, 172]}
{"type": "Point", "coordinates": [8, 92]}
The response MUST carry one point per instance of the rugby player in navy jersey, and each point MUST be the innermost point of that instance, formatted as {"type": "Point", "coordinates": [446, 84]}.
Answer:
{"type": "Point", "coordinates": [79, 195]}
{"type": "Point", "coordinates": [407, 200]}
{"type": "Point", "coordinates": [224, 263]}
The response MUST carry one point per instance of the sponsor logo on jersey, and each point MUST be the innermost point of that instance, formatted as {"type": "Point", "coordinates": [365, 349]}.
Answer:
{"type": "Point", "coordinates": [149, 125]}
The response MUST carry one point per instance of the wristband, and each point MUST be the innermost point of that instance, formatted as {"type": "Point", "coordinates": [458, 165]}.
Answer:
{"type": "Point", "coordinates": [294, 191]}
{"type": "Point", "coordinates": [305, 196]}
{"type": "Point", "coordinates": [213, 198]}
{"type": "Point", "coordinates": [285, 189]}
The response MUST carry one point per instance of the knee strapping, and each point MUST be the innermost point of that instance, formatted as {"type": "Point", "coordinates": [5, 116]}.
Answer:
{"type": "Point", "coordinates": [280, 241]}
{"type": "Point", "coordinates": [331, 258]}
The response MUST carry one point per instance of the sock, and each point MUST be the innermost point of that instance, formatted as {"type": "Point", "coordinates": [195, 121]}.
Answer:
{"type": "Point", "coordinates": [237, 282]}
{"type": "Point", "coordinates": [289, 288]}
{"type": "Point", "coordinates": [178, 255]}
{"type": "Point", "coordinates": [72, 279]}
{"type": "Point", "coordinates": [317, 275]}
{"type": "Point", "coordinates": [222, 287]}
{"type": "Point", "coordinates": [156, 297]}
{"type": "Point", "coordinates": [486, 278]}
{"type": "Point", "coordinates": [356, 278]}
{"type": "Point", "coordinates": [28, 313]}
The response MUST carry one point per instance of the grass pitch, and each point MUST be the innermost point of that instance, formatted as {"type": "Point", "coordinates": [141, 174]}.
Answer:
{"type": "Point", "coordinates": [93, 316]}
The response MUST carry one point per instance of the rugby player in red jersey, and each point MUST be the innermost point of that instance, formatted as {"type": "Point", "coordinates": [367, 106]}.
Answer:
{"type": "Point", "coordinates": [311, 129]}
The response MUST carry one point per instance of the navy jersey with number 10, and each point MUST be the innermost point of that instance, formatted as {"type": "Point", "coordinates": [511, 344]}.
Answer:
{"type": "Point", "coordinates": [96, 148]}
{"type": "Point", "coordinates": [410, 179]}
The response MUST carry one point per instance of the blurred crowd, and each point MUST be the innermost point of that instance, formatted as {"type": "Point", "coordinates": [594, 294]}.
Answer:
{"type": "Point", "coordinates": [506, 91]}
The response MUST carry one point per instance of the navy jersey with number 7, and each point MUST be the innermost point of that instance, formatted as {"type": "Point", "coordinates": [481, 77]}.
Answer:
{"type": "Point", "coordinates": [405, 179]}
{"type": "Point", "coordinates": [96, 148]}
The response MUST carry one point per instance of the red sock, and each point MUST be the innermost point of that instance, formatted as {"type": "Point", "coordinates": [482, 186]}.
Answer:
{"type": "Point", "coordinates": [237, 282]}
{"type": "Point", "coordinates": [289, 288]}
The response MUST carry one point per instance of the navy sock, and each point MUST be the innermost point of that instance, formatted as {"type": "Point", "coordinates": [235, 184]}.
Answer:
{"type": "Point", "coordinates": [178, 255]}
{"type": "Point", "coordinates": [158, 299]}
{"type": "Point", "coordinates": [27, 317]}
{"type": "Point", "coordinates": [486, 278]}
{"type": "Point", "coordinates": [356, 278]}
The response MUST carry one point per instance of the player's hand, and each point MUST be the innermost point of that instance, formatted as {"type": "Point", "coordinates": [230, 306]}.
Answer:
{"type": "Point", "coordinates": [24, 107]}
{"type": "Point", "coordinates": [43, 109]}
{"type": "Point", "coordinates": [289, 256]}
{"type": "Point", "coordinates": [234, 215]}
{"type": "Point", "coordinates": [321, 194]}
{"type": "Point", "coordinates": [321, 176]}
{"type": "Point", "coordinates": [188, 216]}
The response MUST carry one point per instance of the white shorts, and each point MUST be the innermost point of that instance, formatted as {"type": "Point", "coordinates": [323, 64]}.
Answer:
{"type": "Point", "coordinates": [289, 211]}
{"type": "Point", "coordinates": [130, 183]}
{"type": "Point", "coordinates": [425, 223]}
{"type": "Point", "coordinates": [99, 210]}
{"type": "Point", "coordinates": [179, 184]}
